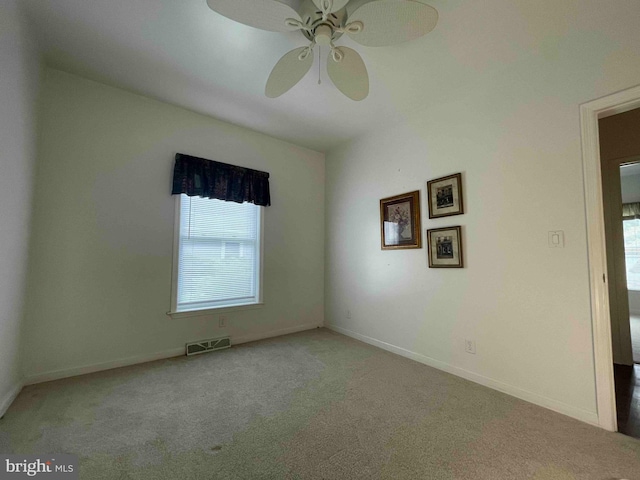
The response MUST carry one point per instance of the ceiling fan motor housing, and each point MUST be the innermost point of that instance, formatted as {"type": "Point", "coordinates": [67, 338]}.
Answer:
{"type": "Point", "coordinates": [312, 17]}
{"type": "Point", "coordinates": [323, 34]}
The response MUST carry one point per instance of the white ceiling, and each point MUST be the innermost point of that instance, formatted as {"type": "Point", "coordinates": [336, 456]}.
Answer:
{"type": "Point", "coordinates": [181, 52]}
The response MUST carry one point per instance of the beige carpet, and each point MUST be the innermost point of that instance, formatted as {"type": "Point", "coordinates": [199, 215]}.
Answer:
{"type": "Point", "coordinates": [314, 405]}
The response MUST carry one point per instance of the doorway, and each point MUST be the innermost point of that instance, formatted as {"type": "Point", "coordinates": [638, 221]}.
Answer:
{"type": "Point", "coordinates": [630, 192]}
{"type": "Point", "coordinates": [590, 114]}
{"type": "Point", "coordinates": [619, 155]}
{"type": "Point", "coordinates": [625, 305]}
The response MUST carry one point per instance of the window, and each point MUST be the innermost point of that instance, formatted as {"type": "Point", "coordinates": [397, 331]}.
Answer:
{"type": "Point", "coordinates": [217, 256]}
{"type": "Point", "coordinates": [631, 229]}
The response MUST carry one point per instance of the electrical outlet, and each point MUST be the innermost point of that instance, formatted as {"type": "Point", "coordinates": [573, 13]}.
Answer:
{"type": "Point", "coordinates": [470, 346]}
{"type": "Point", "coordinates": [348, 313]}
{"type": "Point", "coordinates": [222, 321]}
{"type": "Point", "coordinates": [556, 239]}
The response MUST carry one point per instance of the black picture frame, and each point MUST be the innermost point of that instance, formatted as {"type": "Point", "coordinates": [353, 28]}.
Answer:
{"type": "Point", "coordinates": [444, 247]}
{"type": "Point", "coordinates": [445, 197]}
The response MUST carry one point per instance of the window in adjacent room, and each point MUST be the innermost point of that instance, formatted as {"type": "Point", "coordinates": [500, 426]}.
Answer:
{"type": "Point", "coordinates": [217, 254]}
{"type": "Point", "coordinates": [631, 229]}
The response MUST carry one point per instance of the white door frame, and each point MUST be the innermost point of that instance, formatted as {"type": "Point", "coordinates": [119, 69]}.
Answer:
{"type": "Point", "coordinates": [590, 113]}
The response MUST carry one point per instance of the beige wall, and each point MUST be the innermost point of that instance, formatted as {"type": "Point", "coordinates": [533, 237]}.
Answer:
{"type": "Point", "coordinates": [18, 92]}
{"type": "Point", "coordinates": [100, 274]}
{"type": "Point", "coordinates": [514, 133]}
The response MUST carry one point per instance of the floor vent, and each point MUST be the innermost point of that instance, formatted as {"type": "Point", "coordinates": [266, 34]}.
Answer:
{"type": "Point", "coordinates": [202, 346]}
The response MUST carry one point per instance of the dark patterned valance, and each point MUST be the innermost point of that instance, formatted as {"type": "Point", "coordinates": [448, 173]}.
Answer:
{"type": "Point", "coordinates": [198, 177]}
{"type": "Point", "coordinates": [630, 211]}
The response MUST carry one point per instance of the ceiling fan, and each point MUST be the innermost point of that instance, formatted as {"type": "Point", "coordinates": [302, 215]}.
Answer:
{"type": "Point", "coordinates": [373, 23]}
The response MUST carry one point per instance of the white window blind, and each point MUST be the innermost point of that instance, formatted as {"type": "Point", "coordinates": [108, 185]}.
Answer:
{"type": "Point", "coordinates": [631, 229]}
{"type": "Point", "coordinates": [218, 254]}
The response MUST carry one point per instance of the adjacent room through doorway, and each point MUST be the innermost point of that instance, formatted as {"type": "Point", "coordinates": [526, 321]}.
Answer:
{"type": "Point", "coordinates": [628, 377]}
{"type": "Point", "coordinates": [620, 157]}
{"type": "Point", "coordinates": [630, 190]}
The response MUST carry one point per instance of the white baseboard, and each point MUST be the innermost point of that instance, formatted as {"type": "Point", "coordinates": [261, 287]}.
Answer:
{"type": "Point", "coordinates": [174, 352]}
{"type": "Point", "coordinates": [98, 367]}
{"type": "Point", "coordinates": [551, 404]}
{"type": "Point", "coordinates": [8, 399]}
{"type": "Point", "coordinates": [236, 340]}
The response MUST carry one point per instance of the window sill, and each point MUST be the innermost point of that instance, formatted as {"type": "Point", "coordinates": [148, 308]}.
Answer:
{"type": "Point", "coordinates": [216, 310]}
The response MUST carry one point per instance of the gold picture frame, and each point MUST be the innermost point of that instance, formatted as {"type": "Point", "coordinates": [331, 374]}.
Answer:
{"type": "Point", "coordinates": [400, 221]}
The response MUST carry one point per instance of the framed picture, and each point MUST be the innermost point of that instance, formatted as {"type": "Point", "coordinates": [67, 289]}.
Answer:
{"type": "Point", "coordinates": [400, 221]}
{"type": "Point", "coordinates": [445, 247]}
{"type": "Point", "coordinates": [445, 196]}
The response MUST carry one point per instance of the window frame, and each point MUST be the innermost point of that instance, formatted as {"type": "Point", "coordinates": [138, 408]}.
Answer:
{"type": "Point", "coordinates": [174, 313]}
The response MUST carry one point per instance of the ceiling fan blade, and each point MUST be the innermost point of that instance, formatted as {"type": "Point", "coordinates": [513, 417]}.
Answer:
{"type": "Point", "coordinates": [389, 22]}
{"type": "Point", "coordinates": [288, 72]}
{"type": "Point", "coordinates": [335, 6]}
{"type": "Point", "coordinates": [350, 74]}
{"type": "Point", "coordinates": [264, 14]}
